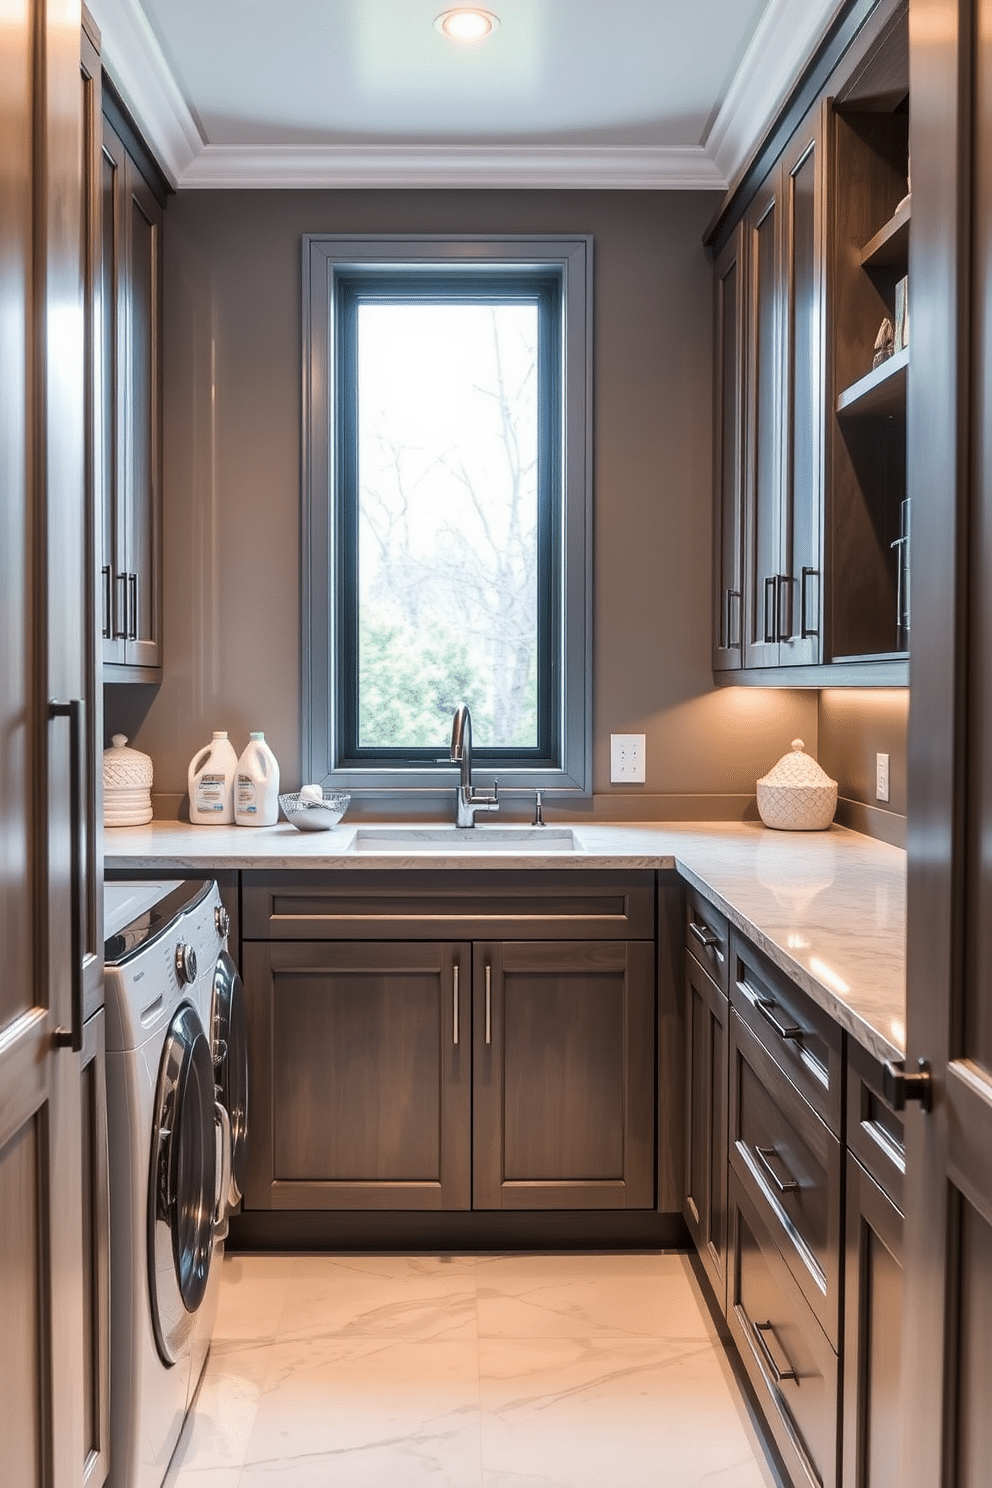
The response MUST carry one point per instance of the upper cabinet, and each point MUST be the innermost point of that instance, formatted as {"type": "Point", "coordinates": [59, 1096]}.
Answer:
{"type": "Point", "coordinates": [130, 404]}
{"type": "Point", "coordinates": [811, 531]}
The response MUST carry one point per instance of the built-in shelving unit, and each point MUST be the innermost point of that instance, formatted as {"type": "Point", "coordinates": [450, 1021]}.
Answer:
{"type": "Point", "coordinates": [889, 248]}
{"type": "Point", "coordinates": [880, 391]}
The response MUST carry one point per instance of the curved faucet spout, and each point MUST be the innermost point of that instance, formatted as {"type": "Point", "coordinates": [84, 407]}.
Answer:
{"type": "Point", "coordinates": [468, 800]}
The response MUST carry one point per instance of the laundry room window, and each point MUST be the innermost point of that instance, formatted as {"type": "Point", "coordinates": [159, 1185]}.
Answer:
{"type": "Point", "coordinates": [446, 509]}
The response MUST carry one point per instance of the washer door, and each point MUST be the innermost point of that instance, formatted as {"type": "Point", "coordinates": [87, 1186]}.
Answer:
{"type": "Point", "coordinates": [182, 1184]}
{"type": "Point", "coordinates": [230, 1031]}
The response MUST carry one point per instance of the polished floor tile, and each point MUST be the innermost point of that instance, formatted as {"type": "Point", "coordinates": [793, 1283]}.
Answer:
{"type": "Point", "coordinates": [509, 1371]}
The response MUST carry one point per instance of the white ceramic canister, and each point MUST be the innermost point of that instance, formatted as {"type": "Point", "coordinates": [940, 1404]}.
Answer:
{"type": "Point", "coordinates": [796, 795]}
{"type": "Point", "coordinates": [210, 781]}
{"type": "Point", "coordinates": [127, 785]}
{"type": "Point", "coordinates": [256, 790]}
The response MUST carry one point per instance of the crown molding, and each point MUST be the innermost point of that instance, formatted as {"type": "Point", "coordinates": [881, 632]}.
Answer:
{"type": "Point", "coordinates": [787, 36]}
{"type": "Point", "coordinates": [136, 63]}
{"type": "Point", "coordinates": [451, 167]}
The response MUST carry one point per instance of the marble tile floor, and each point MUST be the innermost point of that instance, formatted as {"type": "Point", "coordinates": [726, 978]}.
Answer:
{"type": "Point", "coordinates": [505, 1371]}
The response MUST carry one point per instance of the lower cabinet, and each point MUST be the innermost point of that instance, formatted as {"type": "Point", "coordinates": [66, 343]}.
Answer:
{"type": "Point", "coordinates": [707, 1026]}
{"type": "Point", "coordinates": [450, 1075]}
{"type": "Point", "coordinates": [794, 1176]}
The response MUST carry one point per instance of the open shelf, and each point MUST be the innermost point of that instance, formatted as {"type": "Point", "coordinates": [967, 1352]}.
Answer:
{"type": "Point", "coordinates": [889, 248]}
{"type": "Point", "coordinates": [880, 391]}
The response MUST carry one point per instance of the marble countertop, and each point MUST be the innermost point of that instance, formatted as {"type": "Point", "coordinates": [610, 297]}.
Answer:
{"type": "Point", "coordinates": [828, 908]}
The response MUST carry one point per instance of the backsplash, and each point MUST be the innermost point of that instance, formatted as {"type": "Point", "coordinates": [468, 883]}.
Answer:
{"type": "Point", "coordinates": [854, 726]}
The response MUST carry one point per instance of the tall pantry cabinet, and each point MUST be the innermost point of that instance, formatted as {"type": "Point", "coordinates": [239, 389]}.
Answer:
{"type": "Point", "coordinates": [52, 1250]}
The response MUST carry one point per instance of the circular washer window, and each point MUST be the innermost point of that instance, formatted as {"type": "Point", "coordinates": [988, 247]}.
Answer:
{"type": "Point", "coordinates": [182, 1183]}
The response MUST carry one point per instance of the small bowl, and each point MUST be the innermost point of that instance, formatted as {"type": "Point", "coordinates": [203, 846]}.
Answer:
{"type": "Point", "coordinates": [315, 816]}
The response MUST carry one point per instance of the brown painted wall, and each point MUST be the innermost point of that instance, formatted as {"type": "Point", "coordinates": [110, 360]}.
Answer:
{"type": "Point", "coordinates": [853, 726]}
{"type": "Point", "coordinates": [232, 482]}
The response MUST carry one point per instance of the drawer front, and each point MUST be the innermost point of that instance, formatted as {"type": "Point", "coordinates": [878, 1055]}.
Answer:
{"type": "Point", "coordinates": [875, 1132]}
{"type": "Point", "coordinates": [437, 905]}
{"type": "Point", "coordinates": [803, 1040]}
{"type": "Point", "coordinates": [790, 1164]}
{"type": "Point", "coordinates": [707, 936]}
{"type": "Point", "coordinates": [790, 1362]}
{"type": "Point", "coordinates": [705, 1198]}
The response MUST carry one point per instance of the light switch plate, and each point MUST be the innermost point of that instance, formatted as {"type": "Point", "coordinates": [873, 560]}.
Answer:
{"type": "Point", "coordinates": [881, 777]}
{"type": "Point", "coordinates": [627, 759]}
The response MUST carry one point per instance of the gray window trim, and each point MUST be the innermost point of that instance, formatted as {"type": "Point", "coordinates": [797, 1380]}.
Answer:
{"type": "Point", "coordinates": [323, 256]}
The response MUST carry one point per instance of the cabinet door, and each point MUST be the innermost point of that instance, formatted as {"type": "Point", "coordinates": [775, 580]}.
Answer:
{"type": "Point", "coordinates": [800, 592]}
{"type": "Point", "coordinates": [707, 1075]}
{"type": "Point", "coordinates": [112, 353]}
{"type": "Point", "coordinates": [763, 577]}
{"type": "Point", "coordinates": [360, 1056]}
{"type": "Point", "coordinates": [142, 420]}
{"type": "Point", "coordinates": [873, 1283]}
{"type": "Point", "coordinates": [730, 359]}
{"type": "Point", "coordinates": [564, 1075]}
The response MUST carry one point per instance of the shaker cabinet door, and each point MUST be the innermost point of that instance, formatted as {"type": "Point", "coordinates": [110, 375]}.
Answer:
{"type": "Point", "coordinates": [361, 1075]}
{"type": "Point", "coordinates": [564, 1075]}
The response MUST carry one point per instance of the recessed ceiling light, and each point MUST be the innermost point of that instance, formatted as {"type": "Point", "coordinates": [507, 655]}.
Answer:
{"type": "Point", "coordinates": [467, 23]}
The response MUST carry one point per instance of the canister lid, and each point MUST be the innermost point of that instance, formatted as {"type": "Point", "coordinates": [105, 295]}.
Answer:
{"type": "Point", "coordinates": [124, 768]}
{"type": "Point", "coordinates": [797, 768]}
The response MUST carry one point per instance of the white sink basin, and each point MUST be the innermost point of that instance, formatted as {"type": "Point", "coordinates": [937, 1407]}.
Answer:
{"type": "Point", "coordinates": [441, 840]}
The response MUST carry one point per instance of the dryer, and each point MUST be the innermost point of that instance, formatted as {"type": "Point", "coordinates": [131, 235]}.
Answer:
{"type": "Point", "coordinates": [171, 1156]}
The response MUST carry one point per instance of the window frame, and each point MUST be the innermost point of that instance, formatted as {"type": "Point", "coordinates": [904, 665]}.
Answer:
{"type": "Point", "coordinates": [329, 262]}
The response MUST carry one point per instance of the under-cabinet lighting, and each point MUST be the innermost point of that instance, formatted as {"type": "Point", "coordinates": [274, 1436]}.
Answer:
{"type": "Point", "coordinates": [467, 23]}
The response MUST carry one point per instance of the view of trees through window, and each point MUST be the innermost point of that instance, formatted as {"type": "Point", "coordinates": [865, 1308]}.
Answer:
{"type": "Point", "coordinates": [447, 448]}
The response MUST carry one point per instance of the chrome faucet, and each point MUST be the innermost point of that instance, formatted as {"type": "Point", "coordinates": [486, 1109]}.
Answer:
{"type": "Point", "coordinates": [468, 800]}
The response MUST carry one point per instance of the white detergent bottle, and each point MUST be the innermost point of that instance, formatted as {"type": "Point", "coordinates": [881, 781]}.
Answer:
{"type": "Point", "coordinates": [211, 782]}
{"type": "Point", "coordinates": [256, 791]}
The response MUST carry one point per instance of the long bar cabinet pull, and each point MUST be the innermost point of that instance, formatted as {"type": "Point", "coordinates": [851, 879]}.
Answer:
{"type": "Point", "coordinates": [778, 1374]}
{"type": "Point", "coordinates": [454, 1004]}
{"type": "Point", "coordinates": [766, 1156]}
{"type": "Point", "coordinates": [765, 1007]}
{"type": "Point", "coordinates": [132, 606]}
{"type": "Point", "coordinates": [733, 632]}
{"type": "Point", "coordinates": [72, 1037]}
{"type": "Point", "coordinates": [703, 934]}
{"type": "Point", "coordinates": [771, 608]}
{"type": "Point", "coordinates": [120, 610]}
{"type": "Point", "coordinates": [489, 1003]}
{"type": "Point", "coordinates": [806, 629]}
{"type": "Point", "coordinates": [784, 626]}
{"type": "Point", "coordinates": [108, 602]}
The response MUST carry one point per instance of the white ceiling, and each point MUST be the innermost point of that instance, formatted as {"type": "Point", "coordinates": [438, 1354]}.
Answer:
{"type": "Point", "coordinates": [643, 93]}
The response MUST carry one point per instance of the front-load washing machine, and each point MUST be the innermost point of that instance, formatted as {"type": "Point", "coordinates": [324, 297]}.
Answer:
{"type": "Point", "coordinates": [171, 1157]}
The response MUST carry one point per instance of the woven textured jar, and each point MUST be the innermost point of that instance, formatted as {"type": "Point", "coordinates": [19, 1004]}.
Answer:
{"type": "Point", "coordinates": [127, 785]}
{"type": "Point", "coordinates": [796, 795]}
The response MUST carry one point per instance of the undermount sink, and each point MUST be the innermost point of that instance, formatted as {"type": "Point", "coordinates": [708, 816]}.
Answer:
{"type": "Point", "coordinates": [443, 840]}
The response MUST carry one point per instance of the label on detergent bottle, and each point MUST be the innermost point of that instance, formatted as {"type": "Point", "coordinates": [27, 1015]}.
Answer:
{"type": "Point", "coordinates": [246, 803]}
{"type": "Point", "coordinates": [210, 793]}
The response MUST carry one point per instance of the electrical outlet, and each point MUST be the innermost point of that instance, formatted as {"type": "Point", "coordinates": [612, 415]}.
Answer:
{"type": "Point", "coordinates": [881, 777]}
{"type": "Point", "coordinates": [627, 758]}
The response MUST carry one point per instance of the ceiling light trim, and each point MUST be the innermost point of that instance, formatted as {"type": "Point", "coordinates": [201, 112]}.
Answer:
{"type": "Point", "coordinates": [452, 167]}
{"type": "Point", "coordinates": [790, 35]}
{"type": "Point", "coordinates": [131, 54]}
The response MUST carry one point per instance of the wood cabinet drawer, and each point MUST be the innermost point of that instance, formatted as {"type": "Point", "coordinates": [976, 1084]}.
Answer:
{"type": "Point", "coordinates": [788, 1358]}
{"type": "Point", "coordinates": [875, 1132]}
{"type": "Point", "coordinates": [790, 1164]}
{"type": "Point", "coordinates": [707, 936]}
{"type": "Point", "coordinates": [705, 1198]}
{"type": "Point", "coordinates": [440, 905]}
{"type": "Point", "coordinates": [803, 1040]}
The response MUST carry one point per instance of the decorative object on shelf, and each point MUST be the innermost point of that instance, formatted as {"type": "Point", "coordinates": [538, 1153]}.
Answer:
{"type": "Point", "coordinates": [902, 312]}
{"type": "Point", "coordinates": [885, 343]}
{"type": "Point", "coordinates": [127, 785]}
{"type": "Point", "coordinates": [796, 795]}
{"type": "Point", "coordinates": [313, 809]}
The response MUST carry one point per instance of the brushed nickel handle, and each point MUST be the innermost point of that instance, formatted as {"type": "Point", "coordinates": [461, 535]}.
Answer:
{"type": "Point", "coordinates": [489, 1003]}
{"type": "Point", "coordinates": [765, 1006]}
{"type": "Point", "coordinates": [72, 1037]}
{"type": "Point", "coordinates": [732, 632]}
{"type": "Point", "coordinates": [779, 1375]}
{"type": "Point", "coordinates": [703, 934]}
{"type": "Point", "coordinates": [454, 1004]}
{"type": "Point", "coordinates": [132, 607]}
{"type": "Point", "coordinates": [898, 1087]}
{"type": "Point", "coordinates": [766, 1155]}
{"type": "Point", "coordinates": [771, 609]}
{"type": "Point", "coordinates": [120, 608]}
{"type": "Point", "coordinates": [784, 627]}
{"type": "Point", "coordinates": [108, 602]}
{"type": "Point", "coordinates": [806, 629]}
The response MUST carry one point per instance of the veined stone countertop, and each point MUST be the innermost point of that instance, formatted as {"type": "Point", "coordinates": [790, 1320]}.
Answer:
{"type": "Point", "coordinates": [828, 908]}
